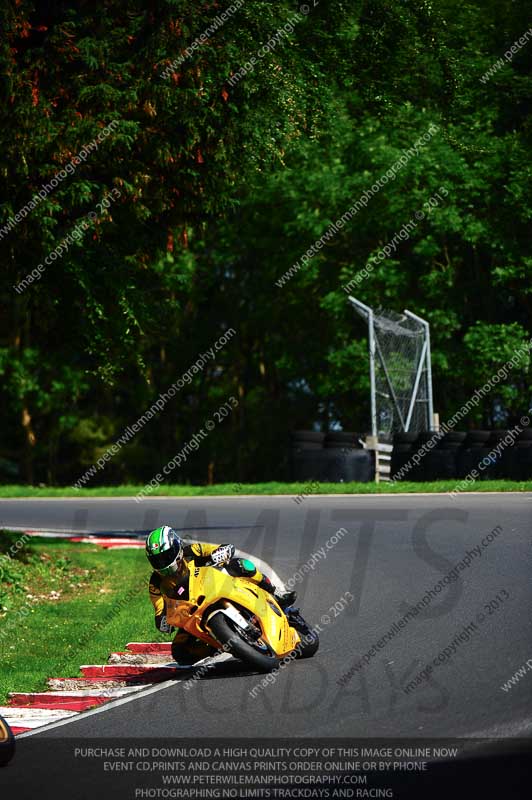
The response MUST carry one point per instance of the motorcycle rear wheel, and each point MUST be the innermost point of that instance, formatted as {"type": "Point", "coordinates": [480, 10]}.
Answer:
{"type": "Point", "coordinates": [231, 637]}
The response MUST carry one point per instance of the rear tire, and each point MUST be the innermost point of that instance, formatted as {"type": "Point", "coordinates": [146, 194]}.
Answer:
{"type": "Point", "coordinates": [231, 638]}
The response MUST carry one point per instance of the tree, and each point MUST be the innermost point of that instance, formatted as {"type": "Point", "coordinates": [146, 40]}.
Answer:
{"type": "Point", "coordinates": [207, 189]}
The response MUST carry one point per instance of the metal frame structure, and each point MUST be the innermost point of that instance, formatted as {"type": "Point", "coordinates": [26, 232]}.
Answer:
{"type": "Point", "coordinates": [424, 364]}
{"type": "Point", "coordinates": [367, 313]}
{"type": "Point", "coordinates": [425, 357]}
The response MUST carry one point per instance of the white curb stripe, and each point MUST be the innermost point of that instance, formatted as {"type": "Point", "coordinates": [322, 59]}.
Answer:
{"type": "Point", "coordinates": [101, 709]}
{"type": "Point", "coordinates": [29, 717]}
{"type": "Point", "coordinates": [141, 667]}
{"type": "Point", "coordinates": [14, 711]}
{"type": "Point", "coordinates": [141, 692]}
{"type": "Point", "coordinates": [79, 694]}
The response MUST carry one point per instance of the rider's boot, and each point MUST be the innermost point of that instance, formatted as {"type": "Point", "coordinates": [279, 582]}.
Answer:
{"type": "Point", "coordinates": [285, 599]}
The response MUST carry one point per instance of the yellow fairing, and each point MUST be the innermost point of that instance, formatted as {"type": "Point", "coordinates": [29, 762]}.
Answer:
{"type": "Point", "coordinates": [209, 586]}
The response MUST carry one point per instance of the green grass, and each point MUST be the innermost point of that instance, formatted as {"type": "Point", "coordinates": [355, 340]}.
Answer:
{"type": "Point", "coordinates": [234, 490]}
{"type": "Point", "coordinates": [53, 637]}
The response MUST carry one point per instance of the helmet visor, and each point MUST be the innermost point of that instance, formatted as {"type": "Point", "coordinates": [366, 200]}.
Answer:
{"type": "Point", "coordinates": [162, 560]}
{"type": "Point", "coordinates": [177, 569]}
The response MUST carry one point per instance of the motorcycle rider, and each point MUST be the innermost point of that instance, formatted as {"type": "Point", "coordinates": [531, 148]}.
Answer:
{"type": "Point", "coordinates": [171, 559]}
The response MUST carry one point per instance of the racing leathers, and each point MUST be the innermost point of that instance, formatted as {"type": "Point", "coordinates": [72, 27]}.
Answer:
{"type": "Point", "coordinates": [186, 649]}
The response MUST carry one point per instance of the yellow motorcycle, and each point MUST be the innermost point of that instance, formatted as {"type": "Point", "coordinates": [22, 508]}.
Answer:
{"type": "Point", "coordinates": [237, 616]}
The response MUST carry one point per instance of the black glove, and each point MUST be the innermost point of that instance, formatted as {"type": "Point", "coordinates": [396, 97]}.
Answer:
{"type": "Point", "coordinates": [162, 624]}
{"type": "Point", "coordinates": [222, 554]}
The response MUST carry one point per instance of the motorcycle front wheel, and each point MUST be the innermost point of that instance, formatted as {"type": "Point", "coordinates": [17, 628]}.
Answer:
{"type": "Point", "coordinates": [256, 653]}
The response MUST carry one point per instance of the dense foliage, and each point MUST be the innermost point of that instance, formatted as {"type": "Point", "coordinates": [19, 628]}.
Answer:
{"type": "Point", "coordinates": [216, 188]}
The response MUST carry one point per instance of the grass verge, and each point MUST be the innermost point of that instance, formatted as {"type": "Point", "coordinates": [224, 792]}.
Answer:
{"type": "Point", "coordinates": [234, 490]}
{"type": "Point", "coordinates": [63, 605]}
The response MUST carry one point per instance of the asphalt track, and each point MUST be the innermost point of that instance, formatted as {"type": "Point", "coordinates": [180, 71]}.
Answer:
{"type": "Point", "coordinates": [394, 550]}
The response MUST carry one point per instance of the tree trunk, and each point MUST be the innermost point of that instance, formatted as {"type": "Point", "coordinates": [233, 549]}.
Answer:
{"type": "Point", "coordinates": [29, 443]}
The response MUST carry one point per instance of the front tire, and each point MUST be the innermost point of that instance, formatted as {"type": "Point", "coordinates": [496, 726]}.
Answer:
{"type": "Point", "coordinates": [308, 649]}
{"type": "Point", "coordinates": [231, 637]}
{"type": "Point", "coordinates": [310, 641]}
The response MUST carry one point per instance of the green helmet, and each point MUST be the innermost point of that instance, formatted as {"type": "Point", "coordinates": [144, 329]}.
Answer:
{"type": "Point", "coordinates": [164, 550]}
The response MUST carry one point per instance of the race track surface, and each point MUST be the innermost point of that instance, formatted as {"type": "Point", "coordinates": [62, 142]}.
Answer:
{"type": "Point", "coordinates": [393, 551]}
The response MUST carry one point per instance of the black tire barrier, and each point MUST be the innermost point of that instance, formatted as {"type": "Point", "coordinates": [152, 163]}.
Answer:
{"type": "Point", "coordinates": [342, 436]}
{"type": "Point", "coordinates": [7, 743]}
{"type": "Point", "coordinates": [303, 445]}
{"type": "Point", "coordinates": [523, 461]}
{"type": "Point", "coordinates": [401, 454]}
{"type": "Point", "coordinates": [508, 465]}
{"type": "Point", "coordinates": [427, 436]}
{"type": "Point", "coordinates": [457, 455]}
{"type": "Point", "coordinates": [516, 462]}
{"type": "Point", "coordinates": [307, 440]}
{"type": "Point", "coordinates": [446, 444]}
{"type": "Point", "coordinates": [308, 436]}
{"type": "Point", "coordinates": [467, 459]}
{"type": "Point", "coordinates": [404, 438]}
{"type": "Point", "coordinates": [306, 465]}
{"type": "Point", "coordinates": [476, 438]}
{"type": "Point", "coordinates": [479, 459]}
{"type": "Point", "coordinates": [455, 436]}
{"type": "Point", "coordinates": [347, 439]}
{"type": "Point", "coordinates": [437, 465]}
{"type": "Point", "coordinates": [496, 437]}
{"type": "Point", "coordinates": [511, 464]}
{"type": "Point", "coordinates": [333, 465]}
{"type": "Point", "coordinates": [342, 446]}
